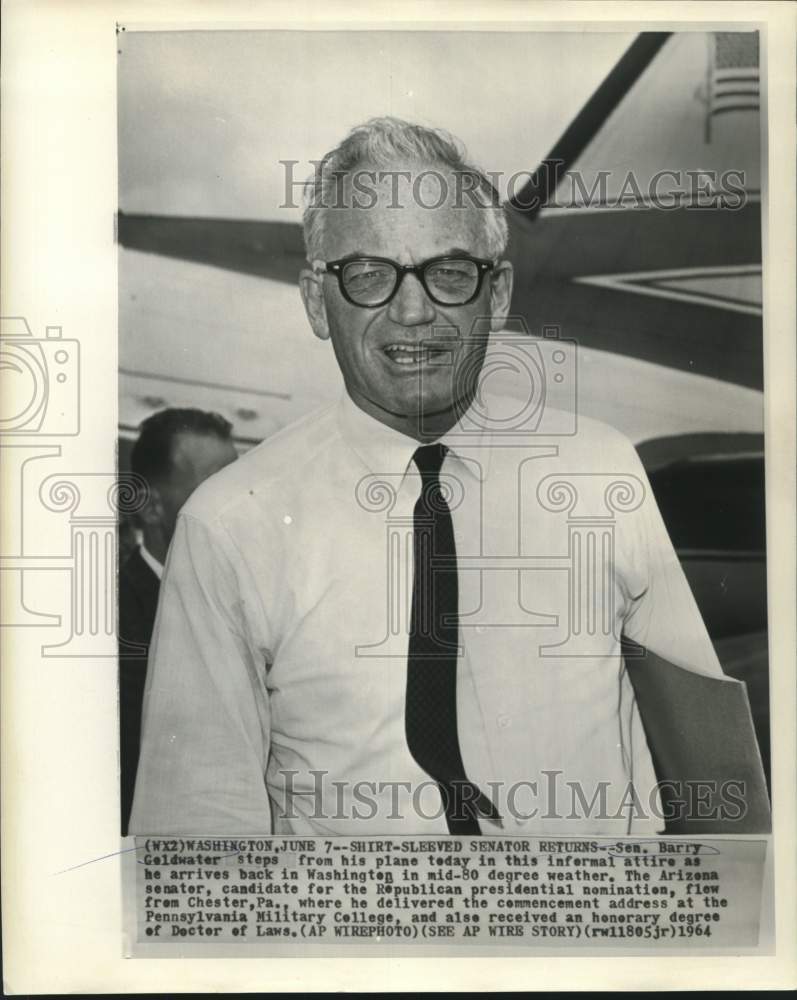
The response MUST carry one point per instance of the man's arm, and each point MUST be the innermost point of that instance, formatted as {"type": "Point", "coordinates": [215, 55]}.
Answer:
{"type": "Point", "coordinates": [697, 721]}
{"type": "Point", "coordinates": [663, 615]}
{"type": "Point", "coordinates": [205, 732]}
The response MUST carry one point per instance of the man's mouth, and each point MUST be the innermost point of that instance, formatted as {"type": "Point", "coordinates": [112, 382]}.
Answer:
{"type": "Point", "coordinates": [415, 355]}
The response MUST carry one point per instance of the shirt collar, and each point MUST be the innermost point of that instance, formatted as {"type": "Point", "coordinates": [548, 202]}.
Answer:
{"type": "Point", "coordinates": [149, 558]}
{"type": "Point", "coordinates": [384, 450]}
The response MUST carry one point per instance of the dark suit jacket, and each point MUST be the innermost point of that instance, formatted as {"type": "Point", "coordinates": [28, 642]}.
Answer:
{"type": "Point", "coordinates": [138, 602]}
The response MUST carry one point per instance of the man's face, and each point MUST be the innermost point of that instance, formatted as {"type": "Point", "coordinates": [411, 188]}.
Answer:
{"type": "Point", "coordinates": [394, 386]}
{"type": "Point", "coordinates": [195, 457]}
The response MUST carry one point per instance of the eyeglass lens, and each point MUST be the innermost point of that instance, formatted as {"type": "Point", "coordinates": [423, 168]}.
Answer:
{"type": "Point", "coordinates": [369, 282]}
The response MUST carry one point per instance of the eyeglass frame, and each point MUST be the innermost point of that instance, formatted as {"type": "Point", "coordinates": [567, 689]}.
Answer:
{"type": "Point", "coordinates": [335, 267]}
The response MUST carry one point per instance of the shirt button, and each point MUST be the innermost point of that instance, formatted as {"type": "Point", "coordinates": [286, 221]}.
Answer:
{"type": "Point", "coordinates": [503, 721]}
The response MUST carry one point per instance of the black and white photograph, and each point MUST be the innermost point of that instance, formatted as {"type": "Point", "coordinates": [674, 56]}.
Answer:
{"type": "Point", "coordinates": [431, 558]}
{"type": "Point", "coordinates": [471, 558]}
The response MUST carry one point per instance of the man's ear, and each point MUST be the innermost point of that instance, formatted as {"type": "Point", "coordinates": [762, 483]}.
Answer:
{"type": "Point", "coordinates": [311, 285]}
{"type": "Point", "coordinates": [500, 294]}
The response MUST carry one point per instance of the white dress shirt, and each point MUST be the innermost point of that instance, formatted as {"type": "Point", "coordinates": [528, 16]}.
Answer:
{"type": "Point", "coordinates": [155, 565]}
{"type": "Point", "coordinates": [275, 692]}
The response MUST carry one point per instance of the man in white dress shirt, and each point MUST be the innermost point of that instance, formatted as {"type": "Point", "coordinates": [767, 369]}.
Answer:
{"type": "Point", "coordinates": [292, 687]}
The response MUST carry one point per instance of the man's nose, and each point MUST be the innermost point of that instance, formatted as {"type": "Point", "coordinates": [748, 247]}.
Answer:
{"type": "Point", "coordinates": [411, 306]}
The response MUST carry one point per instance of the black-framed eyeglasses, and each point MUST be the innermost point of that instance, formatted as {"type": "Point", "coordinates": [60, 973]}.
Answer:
{"type": "Point", "coordinates": [453, 280]}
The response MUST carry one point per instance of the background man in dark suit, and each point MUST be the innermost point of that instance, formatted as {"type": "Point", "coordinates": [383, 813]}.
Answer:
{"type": "Point", "coordinates": [177, 449]}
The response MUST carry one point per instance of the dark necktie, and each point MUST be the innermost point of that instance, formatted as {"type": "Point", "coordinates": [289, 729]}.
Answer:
{"type": "Point", "coordinates": [431, 702]}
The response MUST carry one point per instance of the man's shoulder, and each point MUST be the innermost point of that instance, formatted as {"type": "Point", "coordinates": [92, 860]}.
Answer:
{"type": "Point", "coordinates": [572, 437]}
{"type": "Point", "coordinates": [553, 420]}
{"type": "Point", "coordinates": [596, 447]}
{"type": "Point", "coordinates": [591, 434]}
{"type": "Point", "coordinates": [280, 459]}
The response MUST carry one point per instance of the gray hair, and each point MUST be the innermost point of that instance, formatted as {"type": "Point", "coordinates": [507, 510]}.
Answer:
{"type": "Point", "coordinates": [382, 142]}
